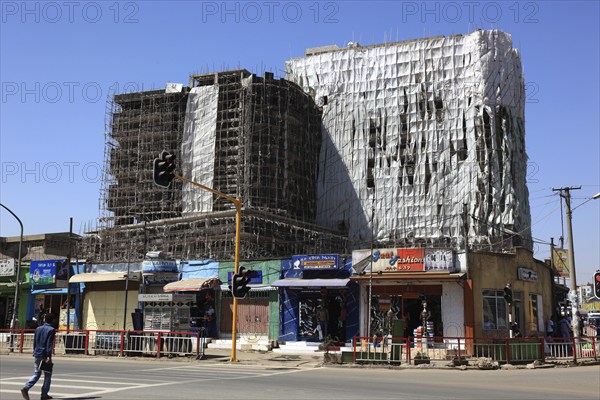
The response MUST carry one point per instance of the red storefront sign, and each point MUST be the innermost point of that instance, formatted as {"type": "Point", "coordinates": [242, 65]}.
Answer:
{"type": "Point", "coordinates": [399, 260]}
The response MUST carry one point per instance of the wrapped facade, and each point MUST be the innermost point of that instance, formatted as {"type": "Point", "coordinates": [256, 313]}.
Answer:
{"type": "Point", "coordinates": [423, 141]}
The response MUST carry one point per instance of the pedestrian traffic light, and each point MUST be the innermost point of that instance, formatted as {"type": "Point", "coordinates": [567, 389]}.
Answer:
{"type": "Point", "coordinates": [508, 293]}
{"type": "Point", "coordinates": [239, 283]}
{"type": "Point", "coordinates": [597, 284]}
{"type": "Point", "coordinates": [164, 168]}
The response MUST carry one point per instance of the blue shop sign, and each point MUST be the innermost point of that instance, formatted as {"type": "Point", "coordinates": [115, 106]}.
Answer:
{"type": "Point", "coordinates": [43, 272]}
{"type": "Point", "coordinates": [319, 261]}
{"type": "Point", "coordinates": [155, 266]}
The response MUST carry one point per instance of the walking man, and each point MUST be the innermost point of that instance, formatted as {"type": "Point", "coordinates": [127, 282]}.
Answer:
{"type": "Point", "coordinates": [42, 351]}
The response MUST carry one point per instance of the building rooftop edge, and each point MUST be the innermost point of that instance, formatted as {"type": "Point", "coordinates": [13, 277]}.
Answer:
{"type": "Point", "coordinates": [355, 45]}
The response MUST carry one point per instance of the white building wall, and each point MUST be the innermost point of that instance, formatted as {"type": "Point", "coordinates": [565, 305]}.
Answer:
{"type": "Point", "coordinates": [428, 133]}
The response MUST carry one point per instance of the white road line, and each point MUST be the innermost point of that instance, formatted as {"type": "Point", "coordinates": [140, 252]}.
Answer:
{"type": "Point", "coordinates": [38, 393]}
{"type": "Point", "coordinates": [55, 379]}
{"type": "Point", "coordinates": [210, 371]}
{"type": "Point", "coordinates": [133, 385]}
{"type": "Point", "coordinates": [113, 390]}
{"type": "Point", "coordinates": [105, 375]}
{"type": "Point", "coordinates": [55, 385]}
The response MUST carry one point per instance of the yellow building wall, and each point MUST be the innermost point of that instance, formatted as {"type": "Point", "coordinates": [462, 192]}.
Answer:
{"type": "Point", "coordinates": [493, 271]}
{"type": "Point", "coordinates": [104, 309]}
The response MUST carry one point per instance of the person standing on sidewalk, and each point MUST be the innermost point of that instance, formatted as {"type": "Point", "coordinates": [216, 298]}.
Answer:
{"type": "Point", "coordinates": [43, 341]}
{"type": "Point", "coordinates": [323, 317]}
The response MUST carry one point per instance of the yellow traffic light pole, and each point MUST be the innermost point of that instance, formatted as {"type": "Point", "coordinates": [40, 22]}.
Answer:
{"type": "Point", "coordinates": [236, 263]}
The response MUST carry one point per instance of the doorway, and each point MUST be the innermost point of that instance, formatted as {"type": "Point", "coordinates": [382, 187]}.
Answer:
{"type": "Point", "coordinates": [412, 314]}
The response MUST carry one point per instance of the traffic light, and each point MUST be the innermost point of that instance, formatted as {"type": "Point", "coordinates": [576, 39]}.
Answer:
{"type": "Point", "coordinates": [61, 271]}
{"type": "Point", "coordinates": [164, 168]}
{"type": "Point", "coordinates": [508, 293]}
{"type": "Point", "coordinates": [239, 283]}
{"type": "Point", "coordinates": [597, 284]}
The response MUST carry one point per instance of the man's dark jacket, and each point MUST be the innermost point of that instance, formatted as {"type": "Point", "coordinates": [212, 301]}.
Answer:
{"type": "Point", "coordinates": [43, 341]}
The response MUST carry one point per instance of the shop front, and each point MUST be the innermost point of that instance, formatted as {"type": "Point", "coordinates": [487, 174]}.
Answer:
{"type": "Point", "coordinates": [318, 301]}
{"type": "Point", "coordinates": [50, 294]}
{"type": "Point", "coordinates": [7, 293]}
{"type": "Point", "coordinates": [158, 310]}
{"type": "Point", "coordinates": [531, 283]}
{"type": "Point", "coordinates": [110, 295]}
{"type": "Point", "coordinates": [401, 288]}
{"type": "Point", "coordinates": [199, 285]}
{"type": "Point", "coordinates": [258, 311]}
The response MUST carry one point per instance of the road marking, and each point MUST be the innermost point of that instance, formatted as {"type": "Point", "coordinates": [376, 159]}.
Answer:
{"type": "Point", "coordinates": [223, 372]}
{"type": "Point", "coordinates": [7, 381]}
{"type": "Point", "coordinates": [36, 393]}
{"type": "Point", "coordinates": [55, 385]}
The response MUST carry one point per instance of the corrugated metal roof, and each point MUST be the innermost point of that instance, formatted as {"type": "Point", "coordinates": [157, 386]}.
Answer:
{"type": "Point", "coordinates": [195, 284]}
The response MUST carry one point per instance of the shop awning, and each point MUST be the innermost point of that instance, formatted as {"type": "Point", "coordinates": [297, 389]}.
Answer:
{"type": "Point", "coordinates": [51, 291]}
{"type": "Point", "coordinates": [253, 287]}
{"type": "Point", "coordinates": [414, 276]}
{"type": "Point", "coordinates": [192, 285]}
{"type": "Point", "coordinates": [326, 283]}
{"type": "Point", "coordinates": [103, 277]}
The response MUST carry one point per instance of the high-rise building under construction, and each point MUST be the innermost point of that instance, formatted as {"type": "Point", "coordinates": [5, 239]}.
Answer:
{"type": "Point", "coordinates": [423, 141]}
{"type": "Point", "coordinates": [253, 138]}
{"type": "Point", "coordinates": [414, 143]}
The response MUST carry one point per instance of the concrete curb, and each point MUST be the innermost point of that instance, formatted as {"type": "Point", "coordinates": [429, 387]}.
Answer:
{"type": "Point", "coordinates": [311, 360]}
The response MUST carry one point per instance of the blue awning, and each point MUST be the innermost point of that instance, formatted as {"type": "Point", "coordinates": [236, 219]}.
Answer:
{"type": "Point", "coordinates": [299, 283]}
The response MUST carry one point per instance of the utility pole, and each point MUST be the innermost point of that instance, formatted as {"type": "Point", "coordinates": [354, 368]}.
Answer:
{"type": "Point", "coordinates": [552, 291]}
{"type": "Point", "coordinates": [69, 274]}
{"type": "Point", "coordinates": [565, 193]}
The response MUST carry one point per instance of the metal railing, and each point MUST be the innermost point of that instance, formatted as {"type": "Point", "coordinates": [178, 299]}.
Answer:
{"type": "Point", "coordinates": [111, 342]}
{"type": "Point", "coordinates": [375, 349]}
{"type": "Point", "coordinates": [419, 350]}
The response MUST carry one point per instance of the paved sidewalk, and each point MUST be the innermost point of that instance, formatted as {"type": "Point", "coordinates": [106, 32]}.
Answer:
{"type": "Point", "coordinates": [213, 355]}
{"type": "Point", "coordinates": [267, 358]}
{"type": "Point", "coordinates": [303, 360]}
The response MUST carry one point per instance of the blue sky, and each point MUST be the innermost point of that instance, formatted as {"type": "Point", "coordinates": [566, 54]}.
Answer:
{"type": "Point", "coordinates": [59, 61]}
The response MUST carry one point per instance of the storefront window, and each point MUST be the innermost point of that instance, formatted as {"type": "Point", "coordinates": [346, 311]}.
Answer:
{"type": "Point", "coordinates": [494, 310]}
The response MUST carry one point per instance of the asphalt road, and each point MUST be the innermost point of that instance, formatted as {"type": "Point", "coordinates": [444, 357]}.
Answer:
{"type": "Point", "coordinates": [100, 378]}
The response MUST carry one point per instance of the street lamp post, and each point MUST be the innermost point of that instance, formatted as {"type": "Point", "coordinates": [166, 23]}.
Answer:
{"type": "Point", "coordinates": [13, 321]}
{"type": "Point", "coordinates": [565, 193]}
